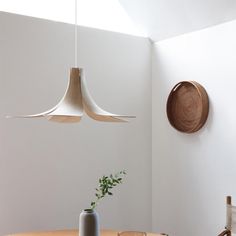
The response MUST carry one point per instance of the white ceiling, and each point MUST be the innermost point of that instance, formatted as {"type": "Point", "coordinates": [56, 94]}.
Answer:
{"type": "Point", "coordinates": [157, 19]}
{"type": "Point", "coordinates": [161, 19]}
{"type": "Point", "coordinates": [101, 14]}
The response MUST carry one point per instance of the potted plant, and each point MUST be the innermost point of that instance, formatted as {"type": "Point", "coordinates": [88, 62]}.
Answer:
{"type": "Point", "coordinates": [89, 220]}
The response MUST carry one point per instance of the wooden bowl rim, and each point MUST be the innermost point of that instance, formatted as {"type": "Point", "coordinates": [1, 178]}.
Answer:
{"type": "Point", "coordinates": [204, 103]}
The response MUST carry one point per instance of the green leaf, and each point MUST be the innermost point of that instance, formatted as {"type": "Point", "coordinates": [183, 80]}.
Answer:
{"type": "Point", "coordinates": [106, 183]}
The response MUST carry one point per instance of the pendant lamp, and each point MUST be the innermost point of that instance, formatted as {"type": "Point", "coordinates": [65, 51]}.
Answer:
{"type": "Point", "coordinates": [77, 99]}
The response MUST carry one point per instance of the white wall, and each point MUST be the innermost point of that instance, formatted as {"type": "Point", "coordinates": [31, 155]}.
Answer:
{"type": "Point", "coordinates": [192, 173]}
{"type": "Point", "coordinates": [48, 171]}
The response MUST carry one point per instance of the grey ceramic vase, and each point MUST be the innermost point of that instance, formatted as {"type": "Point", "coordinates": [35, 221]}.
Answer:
{"type": "Point", "coordinates": [89, 223]}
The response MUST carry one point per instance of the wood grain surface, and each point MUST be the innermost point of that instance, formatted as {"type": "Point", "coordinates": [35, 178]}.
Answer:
{"type": "Point", "coordinates": [73, 233]}
{"type": "Point", "coordinates": [187, 106]}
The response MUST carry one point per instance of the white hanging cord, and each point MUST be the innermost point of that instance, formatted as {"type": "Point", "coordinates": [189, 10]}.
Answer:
{"type": "Point", "coordinates": [76, 36]}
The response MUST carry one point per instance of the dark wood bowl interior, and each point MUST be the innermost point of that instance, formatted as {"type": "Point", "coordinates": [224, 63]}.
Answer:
{"type": "Point", "coordinates": [187, 106]}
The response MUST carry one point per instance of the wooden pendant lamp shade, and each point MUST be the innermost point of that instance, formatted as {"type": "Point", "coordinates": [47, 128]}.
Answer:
{"type": "Point", "coordinates": [187, 106]}
{"type": "Point", "coordinates": [75, 101]}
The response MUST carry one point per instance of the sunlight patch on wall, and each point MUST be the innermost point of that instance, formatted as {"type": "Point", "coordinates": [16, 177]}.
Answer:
{"type": "Point", "coordinates": [102, 14]}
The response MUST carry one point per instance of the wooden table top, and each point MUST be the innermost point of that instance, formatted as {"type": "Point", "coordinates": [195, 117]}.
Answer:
{"type": "Point", "coordinates": [72, 233]}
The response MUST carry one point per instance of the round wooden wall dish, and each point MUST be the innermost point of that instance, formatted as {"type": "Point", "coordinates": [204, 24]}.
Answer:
{"type": "Point", "coordinates": [187, 106]}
